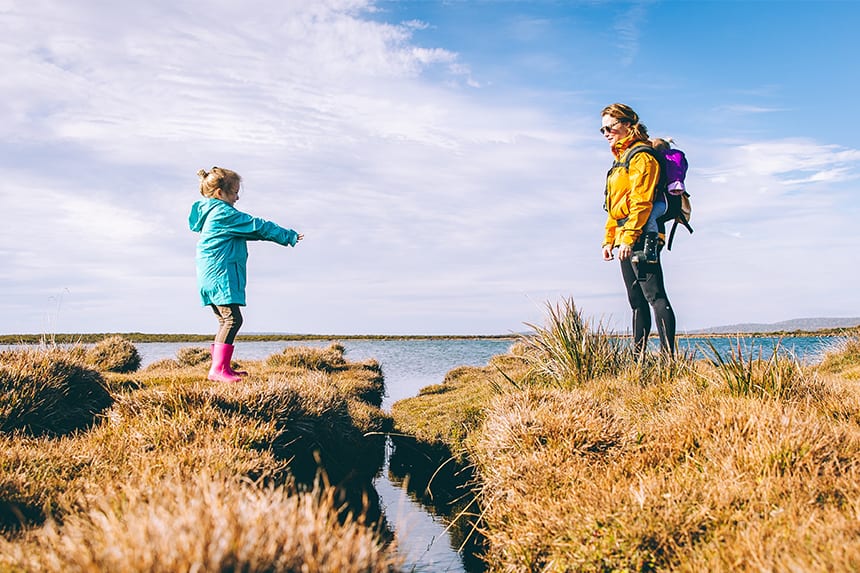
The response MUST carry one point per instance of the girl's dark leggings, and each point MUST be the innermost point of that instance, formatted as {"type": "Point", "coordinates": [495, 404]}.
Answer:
{"type": "Point", "coordinates": [646, 292]}
{"type": "Point", "coordinates": [229, 322]}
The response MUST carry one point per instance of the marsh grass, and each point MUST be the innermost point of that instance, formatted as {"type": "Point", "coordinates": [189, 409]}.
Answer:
{"type": "Point", "coordinates": [571, 349]}
{"type": "Point", "coordinates": [678, 476]}
{"type": "Point", "coordinates": [843, 358]}
{"type": "Point", "coordinates": [48, 391]}
{"type": "Point", "coordinates": [224, 524]}
{"type": "Point", "coordinates": [657, 368]}
{"type": "Point", "coordinates": [442, 415]}
{"type": "Point", "coordinates": [231, 469]}
{"type": "Point", "coordinates": [746, 373]}
{"type": "Point", "coordinates": [327, 360]}
{"type": "Point", "coordinates": [597, 460]}
{"type": "Point", "coordinates": [743, 462]}
{"type": "Point", "coordinates": [193, 355]}
{"type": "Point", "coordinates": [114, 354]}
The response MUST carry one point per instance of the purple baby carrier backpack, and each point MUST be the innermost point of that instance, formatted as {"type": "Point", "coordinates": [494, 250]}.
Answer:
{"type": "Point", "coordinates": [676, 170]}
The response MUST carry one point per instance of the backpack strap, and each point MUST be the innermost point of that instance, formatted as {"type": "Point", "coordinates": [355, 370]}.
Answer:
{"type": "Point", "coordinates": [679, 220]}
{"type": "Point", "coordinates": [662, 183]}
{"type": "Point", "coordinates": [638, 148]}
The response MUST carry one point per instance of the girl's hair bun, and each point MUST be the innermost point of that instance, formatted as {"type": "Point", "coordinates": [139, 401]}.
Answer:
{"type": "Point", "coordinates": [202, 174]}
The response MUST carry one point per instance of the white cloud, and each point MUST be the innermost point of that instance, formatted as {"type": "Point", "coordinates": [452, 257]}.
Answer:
{"type": "Point", "coordinates": [426, 207]}
{"type": "Point", "coordinates": [402, 188]}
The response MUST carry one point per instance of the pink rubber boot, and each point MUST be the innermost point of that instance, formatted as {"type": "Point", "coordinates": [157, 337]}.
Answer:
{"type": "Point", "coordinates": [229, 362]}
{"type": "Point", "coordinates": [221, 371]}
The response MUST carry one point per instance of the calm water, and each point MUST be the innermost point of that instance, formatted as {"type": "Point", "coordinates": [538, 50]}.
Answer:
{"type": "Point", "coordinates": [409, 365]}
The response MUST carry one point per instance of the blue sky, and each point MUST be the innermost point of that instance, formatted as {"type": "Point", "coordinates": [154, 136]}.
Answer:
{"type": "Point", "coordinates": [441, 158]}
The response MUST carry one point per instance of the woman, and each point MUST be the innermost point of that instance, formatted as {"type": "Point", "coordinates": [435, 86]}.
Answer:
{"type": "Point", "coordinates": [630, 189]}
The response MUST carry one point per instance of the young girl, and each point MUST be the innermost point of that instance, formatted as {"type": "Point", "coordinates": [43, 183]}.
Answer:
{"type": "Point", "coordinates": [222, 255]}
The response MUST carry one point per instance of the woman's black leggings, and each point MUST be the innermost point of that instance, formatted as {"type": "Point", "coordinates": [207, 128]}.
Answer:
{"type": "Point", "coordinates": [229, 322]}
{"type": "Point", "coordinates": [645, 292]}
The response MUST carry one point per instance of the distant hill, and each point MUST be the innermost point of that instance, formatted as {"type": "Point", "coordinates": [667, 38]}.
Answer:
{"type": "Point", "coordinates": [804, 324]}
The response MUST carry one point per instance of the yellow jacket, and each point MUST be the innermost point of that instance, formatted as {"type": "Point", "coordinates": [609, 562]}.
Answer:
{"type": "Point", "coordinates": [629, 194]}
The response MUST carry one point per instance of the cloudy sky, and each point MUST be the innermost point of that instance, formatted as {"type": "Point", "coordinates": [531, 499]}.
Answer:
{"type": "Point", "coordinates": [442, 158]}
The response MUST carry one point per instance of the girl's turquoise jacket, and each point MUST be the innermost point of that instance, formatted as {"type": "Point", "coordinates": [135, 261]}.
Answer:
{"type": "Point", "coordinates": [222, 251]}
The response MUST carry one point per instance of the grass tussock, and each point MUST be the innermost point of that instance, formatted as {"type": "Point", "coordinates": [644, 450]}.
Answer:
{"type": "Point", "coordinates": [443, 415]}
{"type": "Point", "coordinates": [843, 358]}
{"type": "Point", "coordinates": [681, 479]}
{"type": "Point", "coordinates": [48, 391]}
{"type": "Point", "coordinates": [114, 354]}
{"type": "Point", "coordinates": [225, 524]}
{"type": "Point", "coordinates": [193, 355]}
{"type": "Point", "coordinates": [124, 488]}
{"type": "Point", "coordinates": [570, 349]}
{"type": "Point", "coordinates": [324, 359]}
{"type": "Point", "coordinates": [747, 374]}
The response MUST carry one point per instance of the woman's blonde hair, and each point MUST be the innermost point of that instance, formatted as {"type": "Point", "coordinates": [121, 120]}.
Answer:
{"type": "Point", "coordinates": [625, 114]}
{"type": "Point", "coordinates": [217, 179]}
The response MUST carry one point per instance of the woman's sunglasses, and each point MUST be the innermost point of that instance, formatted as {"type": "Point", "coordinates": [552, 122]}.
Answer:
{"type": "Point", "coordinates": [607, 128]}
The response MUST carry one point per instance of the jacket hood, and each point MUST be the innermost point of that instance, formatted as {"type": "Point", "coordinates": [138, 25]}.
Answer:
{"type": "Point", "coordinates": [199, 211]}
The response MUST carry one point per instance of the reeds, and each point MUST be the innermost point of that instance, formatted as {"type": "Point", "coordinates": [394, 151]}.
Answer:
{"type": "Point", "coordinates": [571, 349]}
{"type": "Point", "coordinates": [747, 373]}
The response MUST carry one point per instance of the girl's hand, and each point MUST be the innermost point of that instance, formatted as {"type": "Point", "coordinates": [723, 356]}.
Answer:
{"type": "Point", "coordinates": [624, 252]}
{"type": "Point", "coordinates": [607, 253]}
{"type": "Point", "coordinates": [300, 237]}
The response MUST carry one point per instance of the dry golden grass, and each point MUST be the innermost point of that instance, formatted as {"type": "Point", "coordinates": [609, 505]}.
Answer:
{"type": "Point", "coordinates": [843, 358]}
{"type": "Point", "coordinates": [680, 475]}
{"type": "Point", "coordinates": [193, 355]}
{"type": "Point", "coordinates": [200, 522]}
{"type": "Point", "coordinates": [308, 358]}
{"type": "Point", "coordinates": [743, 463]}
{"type": "Point", "coordinates": [443, 415]}
{"type": "Point", "coordinates": [174, 458]}
{"type": "Point", "coordinates": [49, 392]}
{"type": "Point", "coordinates": [114, 354]}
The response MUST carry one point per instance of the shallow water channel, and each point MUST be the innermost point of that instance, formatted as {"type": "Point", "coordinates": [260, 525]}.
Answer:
{"type": "Point", "coordinates": [408, 365]}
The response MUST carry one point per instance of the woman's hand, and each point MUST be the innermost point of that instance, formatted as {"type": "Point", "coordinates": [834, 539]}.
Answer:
{"type": "Point", "coordinates": [607, 253]}
{"type": "Point", "coordinates": [624, 252]}
{"type": "Point", "coordinates": [300, 237]}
